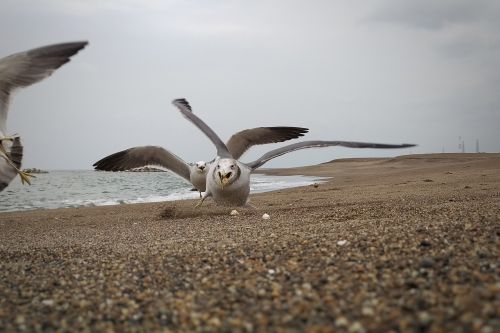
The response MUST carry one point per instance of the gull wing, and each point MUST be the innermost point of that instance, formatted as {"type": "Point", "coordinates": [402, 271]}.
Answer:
{"type": "Point", "coordinates": [142, 156]}
{"type": "Point", "coordinates": [242, 141]}
{"type": "Point", "coordinates": [320, 144]}
{"type": "Point", "coordinates": [184, 107]}
{"type": "Point", "coordinates": [25, 68]}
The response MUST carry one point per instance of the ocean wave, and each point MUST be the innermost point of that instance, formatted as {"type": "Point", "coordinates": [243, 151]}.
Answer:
{"type": "Point", "coordinates": [61, 189]}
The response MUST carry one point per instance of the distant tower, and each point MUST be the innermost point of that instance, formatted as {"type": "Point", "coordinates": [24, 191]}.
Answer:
{"type": "Point", "coordinates": [477, 145]}
{"type": "Point", "coordinates": [463, 146]}
{"type": "Point", "coordinates": [460, 144]}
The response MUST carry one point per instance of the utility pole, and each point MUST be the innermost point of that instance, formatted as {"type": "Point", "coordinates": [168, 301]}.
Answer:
{"type": "Point", "coordinates": [461, 145]}
{"type": "Point", "coordinates": [477, 145]}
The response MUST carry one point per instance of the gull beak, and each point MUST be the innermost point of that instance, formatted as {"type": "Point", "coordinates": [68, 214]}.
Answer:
{"type": "Point", "coordinates": [224, 179]}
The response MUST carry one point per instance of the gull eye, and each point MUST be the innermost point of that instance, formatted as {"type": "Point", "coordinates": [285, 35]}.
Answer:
{"type": "Point", "coordinates": [232, 167]}
{"type": "Point", "coordinates": [218, 166]}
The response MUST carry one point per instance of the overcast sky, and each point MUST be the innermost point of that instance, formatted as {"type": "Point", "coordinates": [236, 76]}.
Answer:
{"type": "Point", "coordinates": [386, 71]}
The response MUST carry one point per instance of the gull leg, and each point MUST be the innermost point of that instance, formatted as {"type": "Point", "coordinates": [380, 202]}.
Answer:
{"type": "Point", "coordinates": [200, 202]}
{"type": "Point", "coordinates": [200, 194]}
{"type": "Point", "coordinates": [206, 195]}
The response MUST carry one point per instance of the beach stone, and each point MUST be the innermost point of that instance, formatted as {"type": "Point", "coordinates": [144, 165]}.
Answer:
{"type": "Point", "coordinates": [367, 311]}
{"type": "Point", "coordinates": [266, 217]}
{"type": "Point", "coordinates": [426, 262]}
{"type": "Point", "coordinates": [425, 243]}
{"type": "Point", "coordinates": [48, 302]}
{"type": "Point", "coordinates": [234, 212]}
{"type": "Point", "coordinates": [341, 322]}
{"type": "Point", "coordinates": [356, 327]}
{"type": "Point", "coordinates": [342, 242]}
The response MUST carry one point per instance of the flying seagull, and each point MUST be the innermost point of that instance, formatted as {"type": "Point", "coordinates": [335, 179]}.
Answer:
{"type": "Point", "coordinates": [195, 173]}
{"type": "Point", "coordinates": [228, 180]}
{"type": "Point", "coordinates": [21, 70]}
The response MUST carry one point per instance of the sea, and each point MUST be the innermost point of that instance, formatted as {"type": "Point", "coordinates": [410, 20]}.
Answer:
{"type": "Point", "coordinates": [86, 188]}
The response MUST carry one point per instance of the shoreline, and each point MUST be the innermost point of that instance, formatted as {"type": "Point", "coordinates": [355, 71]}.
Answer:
{"type": "Point", "coordinates": [43, 198]}
{"type": "Point", "coordinates": [406, 243]}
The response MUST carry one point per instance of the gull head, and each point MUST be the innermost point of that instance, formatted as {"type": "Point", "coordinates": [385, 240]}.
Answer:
{"type": "Point", "coordinates": [201, 166]}
{"type": "Point", "coordinates": [226, 172]}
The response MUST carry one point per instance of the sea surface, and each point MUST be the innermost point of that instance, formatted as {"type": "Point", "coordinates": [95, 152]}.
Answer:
{"type": "Point", "coordinates": [58, 189]}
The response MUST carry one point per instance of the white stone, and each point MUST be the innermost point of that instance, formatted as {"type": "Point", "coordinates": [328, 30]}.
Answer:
{"type": "Point", "coordinates": [234, 212]}
{"type": "Point", "coordinates": [266, 217]}
{"type": "Point", "coordinates": [342, 242]}
{"type": "Point", "coordinates": [48, 302]}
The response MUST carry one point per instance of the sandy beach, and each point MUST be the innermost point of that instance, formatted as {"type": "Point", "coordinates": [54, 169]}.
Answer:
{"type": "Point", "coordinates": [405, 244]}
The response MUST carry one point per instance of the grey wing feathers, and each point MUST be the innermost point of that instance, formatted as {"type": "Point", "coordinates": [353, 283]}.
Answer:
{"type": "Point", "coordinates": [143, 156]}
{"type": "Point", "coordinates": [318, 144]}
{"type": "Point", "coordinates": [243, 140]}
{"type": "Point", "coordinates": [25, 68]}
{"type": "Point", "coordinates": [184, 107]}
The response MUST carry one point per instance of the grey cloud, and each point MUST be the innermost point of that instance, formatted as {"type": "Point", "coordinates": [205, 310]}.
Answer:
{"type": "Point", "coordinates": [436, 15]}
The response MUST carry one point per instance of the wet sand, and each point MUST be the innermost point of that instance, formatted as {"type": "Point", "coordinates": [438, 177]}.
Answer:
{"type": "Point", "coordinates": [407, 244]}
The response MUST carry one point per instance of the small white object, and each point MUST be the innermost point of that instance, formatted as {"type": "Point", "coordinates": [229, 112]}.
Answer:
{"type": "Point", "coordinates": [48, 302]}
{"type": "Point", "coordinates": [266, 217]}
{"type": "Point", "coordinates": [342, 242]}
{"type": "Point", "coordinates": [234, 212]}
{"type": "Point", "coordinates": [271, 271]}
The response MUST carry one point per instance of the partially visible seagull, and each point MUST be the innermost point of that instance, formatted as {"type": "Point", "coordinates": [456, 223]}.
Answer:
{"type": "Point", "coordinates": [195, 173]}
{"type": "Point", "coordinates": [228, 180]}
{"type": "Point", "coordinates": [21, 70]}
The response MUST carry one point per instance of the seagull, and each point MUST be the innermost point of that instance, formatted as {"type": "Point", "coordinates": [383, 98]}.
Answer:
{"type": "Point", "coordinates": [228, 180]}
{"type": "Point", "coordinates": [195, 173]}
{"type": "Point", "coordinates": [21, 70]}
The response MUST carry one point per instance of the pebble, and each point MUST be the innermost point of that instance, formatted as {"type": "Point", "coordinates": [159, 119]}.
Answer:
{"type": "Point", "coordinates": [234, 212]}
{"type": "Point", "coordinates": [367, 311]}
{"type": "Point", "coordinates": [48, 302]}
{"type": "Point", "coordinates": [425, 243]}
{"type": "Point", "coordinates": [341, 322]}
{"type": "Point", "coordinates": [426, 262]}
{"type": "Point", "coordinates": [356, 327]}
{"type": "Point", "coordinates": [342, 242]}
{"type": "Point", "coordinates": [266, 217]}
{"type": "Point", "coordinates": [424, 318]}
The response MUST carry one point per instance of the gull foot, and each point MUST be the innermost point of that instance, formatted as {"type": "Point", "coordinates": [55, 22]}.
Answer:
{"type": "Point", "coordinates": [25, 177]}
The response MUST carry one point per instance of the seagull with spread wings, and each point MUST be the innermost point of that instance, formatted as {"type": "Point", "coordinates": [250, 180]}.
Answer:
{"type": "Point", "coordinates": [228, 180]}
{"type": "Point", "coordinates": [21, 70]}
{"type": "Point", "coordinates": [195, 173]}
